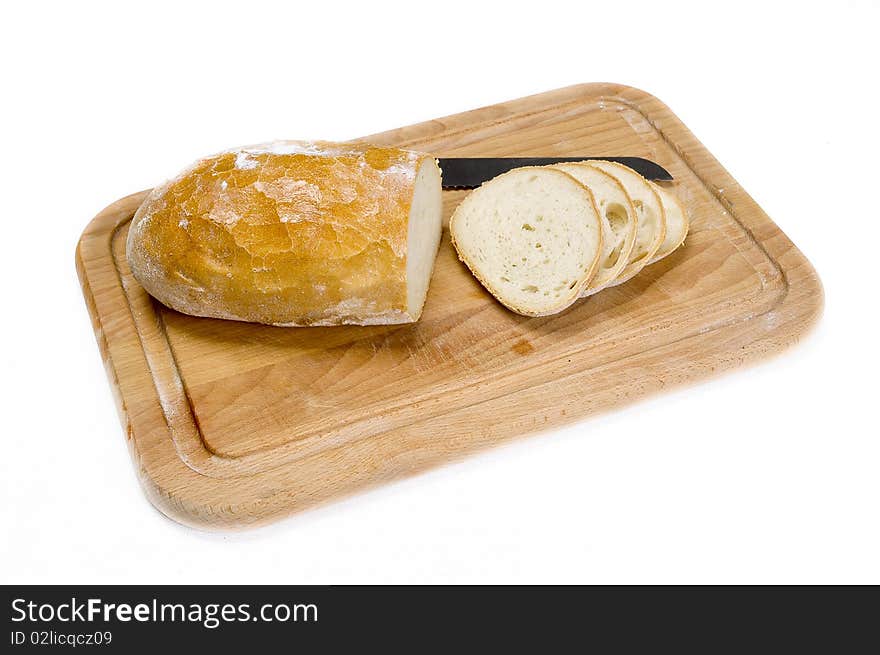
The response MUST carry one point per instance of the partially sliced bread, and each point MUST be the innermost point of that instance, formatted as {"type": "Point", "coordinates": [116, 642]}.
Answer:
{"type": "Point", "coordinates": [676, 222]}
{"type": "Point", "coordinates": [532, 237]}
{"type": "Point", "coordinates": [649, 209]}
{"type": "Point", "coordinates": [619, 221]}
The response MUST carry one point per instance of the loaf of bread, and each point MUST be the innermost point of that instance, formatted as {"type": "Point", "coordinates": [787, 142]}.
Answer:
{"type": "Point", "coordinates": [532, 237]}
{"type": "Point", "coordinates": [293, 234]}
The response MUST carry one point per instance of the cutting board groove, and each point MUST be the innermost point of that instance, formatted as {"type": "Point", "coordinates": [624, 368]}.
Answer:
{"type": "Point", "coordinates": [232, 424]}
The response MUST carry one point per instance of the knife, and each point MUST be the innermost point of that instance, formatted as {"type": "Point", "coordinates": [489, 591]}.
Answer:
{"type": "Point", "coordinates": [470, 172]}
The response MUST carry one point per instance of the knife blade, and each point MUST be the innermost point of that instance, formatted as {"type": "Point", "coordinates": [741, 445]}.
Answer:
{"type": "Point", "coordinates": [471, 172]}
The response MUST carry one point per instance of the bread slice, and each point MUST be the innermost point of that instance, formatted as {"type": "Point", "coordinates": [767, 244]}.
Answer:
{"type": "Point", "coordinates": [649, 209]}
{"type": "Point", "coordinates": [677, 223]}
{"type": "Point", "coordinates": [532, 237]}
{"type": "Point", "coordinates": [619, 221]}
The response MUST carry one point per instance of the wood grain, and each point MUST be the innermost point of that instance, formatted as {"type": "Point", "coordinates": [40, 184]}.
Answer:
{"type": "Point", "coordinates": [232, 424]}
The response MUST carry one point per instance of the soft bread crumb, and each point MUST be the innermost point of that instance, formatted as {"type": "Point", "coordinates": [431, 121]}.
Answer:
{"type": "Point", "coordinates": [676, 222]}
{"type": "Point", "coordinates": [532, 237]}
{"type": "Point", "coordinates": [651, 217]}
{"type": "Point", "coordinates": [618, 218]}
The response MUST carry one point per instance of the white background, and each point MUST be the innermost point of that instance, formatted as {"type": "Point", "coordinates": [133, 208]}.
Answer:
{"type": "Point", "coordinates": [769, 474]}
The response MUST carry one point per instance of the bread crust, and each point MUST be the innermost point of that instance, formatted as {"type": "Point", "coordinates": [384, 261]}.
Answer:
{"type": "Point", "coordinates": [289, 233]}
{"type": "Point", "coordinates": [583, 281]}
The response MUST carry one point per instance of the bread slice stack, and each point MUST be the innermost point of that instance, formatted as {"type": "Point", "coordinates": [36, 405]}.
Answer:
{"type": "Point", "coordinates": [539, 238]}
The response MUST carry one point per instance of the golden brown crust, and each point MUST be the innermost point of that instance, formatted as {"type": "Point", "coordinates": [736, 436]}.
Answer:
{"type": "Point", "coordinates": [290, 233]}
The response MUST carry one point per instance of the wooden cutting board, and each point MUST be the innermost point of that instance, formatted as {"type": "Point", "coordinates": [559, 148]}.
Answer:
{"type": "Point", "coordinates": [232, 424]}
